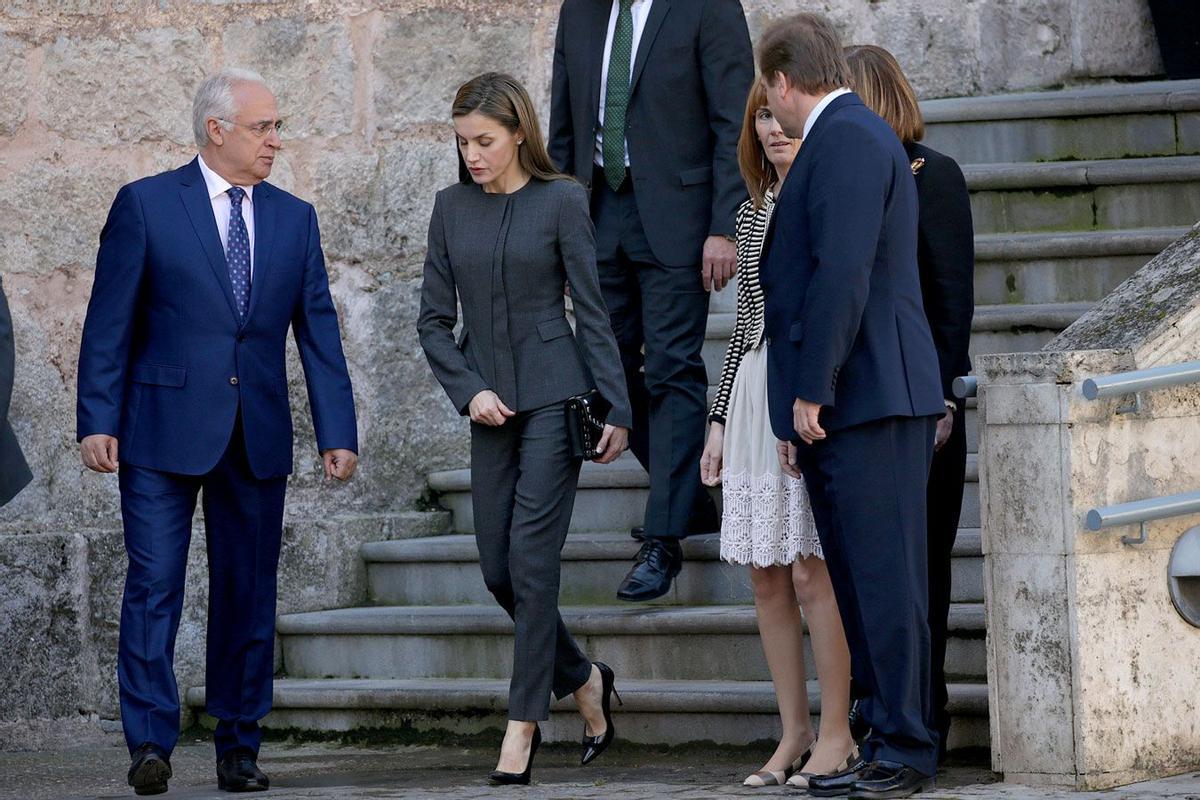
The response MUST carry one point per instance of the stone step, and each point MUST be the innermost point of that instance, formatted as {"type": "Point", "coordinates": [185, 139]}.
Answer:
{"type": "Point", "coordinates": [1084, 195]}
{"type": "Point", "coordinates": [444, 570]}
{"type": "Point", "coordinates": [1034, 268]}
{"type": "Point", "coordinates": [1082, 265]}
{"type": "Point", "coordinates": [654, 711]}
{"type": "Point", "coordinates": [475, 641]}
{"type": "Point", "coordinates": [1159, 118]}
{"type": "Point", "coordinates": [1003, 328]}
{"type": "Point", "coordinates": [613, 497]}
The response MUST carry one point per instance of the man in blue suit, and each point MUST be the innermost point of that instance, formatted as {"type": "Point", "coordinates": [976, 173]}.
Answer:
{"type": "Point", "coordinates": [854, 390]}
{"type": "Point", "coordinates": [199, 275]}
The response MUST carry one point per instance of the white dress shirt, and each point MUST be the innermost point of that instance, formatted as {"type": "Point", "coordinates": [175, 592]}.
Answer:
{"type": "Point", "coordinates": [640, 11]}
{"type": "Point", "coordinates": [816, 112]}
{"type": "Point", "coordinates": [222, 205]}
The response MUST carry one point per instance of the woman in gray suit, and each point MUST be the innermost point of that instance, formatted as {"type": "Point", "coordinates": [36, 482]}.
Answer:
{"type": "Point", "coordinates": [504, 243]}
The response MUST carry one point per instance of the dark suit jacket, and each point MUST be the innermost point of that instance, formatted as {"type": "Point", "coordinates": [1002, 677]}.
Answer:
{"type": "Point", "coordinates": [691, 74]}
{"type": "Point", "coordinates": [506, 259]}
{"type": "Point", "coordinates": [946, 256]}
{"type": "Point", "coordinates": [842, 290]}
{"type": "Point", "coordinates": [14, 472]}
{"type": "Point", "coordinates": [165, 364]}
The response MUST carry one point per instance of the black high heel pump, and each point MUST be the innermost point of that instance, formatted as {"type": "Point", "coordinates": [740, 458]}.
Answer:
{"type": "Point", "coordinates": [593, 746]}
{"type": "Point", "coordinates": [498, 778]}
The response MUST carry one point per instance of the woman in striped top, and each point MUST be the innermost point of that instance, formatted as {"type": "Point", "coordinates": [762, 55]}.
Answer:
{"type": "Point", "coordinates": [767, 522]}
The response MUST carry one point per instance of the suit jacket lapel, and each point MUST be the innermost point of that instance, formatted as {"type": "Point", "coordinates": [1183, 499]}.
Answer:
{"type": "Point", "coordinates": [196, 202]}
{"type": "Point", "coordinates": [658, 12]}
{"type": "Point", "coordinates": [597, 33]}
{"type": "Point", "coordinates": [264, 237]}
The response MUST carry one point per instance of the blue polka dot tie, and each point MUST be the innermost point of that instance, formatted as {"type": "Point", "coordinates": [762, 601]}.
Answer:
{"type": "Point", "coordinates": [237, 251]}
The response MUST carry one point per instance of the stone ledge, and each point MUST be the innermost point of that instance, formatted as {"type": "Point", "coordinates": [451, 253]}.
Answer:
{"type": "Point", "coordinates": [1096, 172]}
{"type": "Point", "coordinates": [1031, 246]}
{"type": "Point", "coordinates": [1106, 99]}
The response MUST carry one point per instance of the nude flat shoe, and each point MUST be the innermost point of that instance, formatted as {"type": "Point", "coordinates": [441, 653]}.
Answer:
{"type": "Point", "coordinates": [770, 777]}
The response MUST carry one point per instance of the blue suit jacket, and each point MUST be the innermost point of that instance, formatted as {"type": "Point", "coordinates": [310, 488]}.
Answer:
{"type": "Point", "coordinates": [844, 316]}
{"type": "Point", "coordinates": [165, 363]}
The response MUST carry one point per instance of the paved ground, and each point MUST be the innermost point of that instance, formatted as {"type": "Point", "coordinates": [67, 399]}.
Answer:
{"type": "Point", "coordinates": [311, 771]}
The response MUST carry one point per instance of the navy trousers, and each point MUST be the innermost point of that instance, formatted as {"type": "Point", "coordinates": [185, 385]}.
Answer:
{"type": "Point", "coordinates": [867, 485]}
{"type": "Point", "coordinates": [659, 314]}
{"type": "Point", "coordinates": [244, 525]}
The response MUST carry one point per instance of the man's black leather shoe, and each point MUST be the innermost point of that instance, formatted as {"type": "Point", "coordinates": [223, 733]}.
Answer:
{"type": "Point", "coordinates": [150, 770]}
{"type": "Point", "coordinates": [836, 784]}
{"type": "Point", "coordinates": [885, 779]}
{"type": "Point", "coordinates": [238, 772]}
{"type": "Point", "coordinates": [704, 519]}
{"type": "Point", "coordinates": [658, 562]}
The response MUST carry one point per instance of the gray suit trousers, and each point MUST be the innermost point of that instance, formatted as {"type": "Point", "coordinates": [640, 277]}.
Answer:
{"type": "Point", "coordinates": [523, 489]}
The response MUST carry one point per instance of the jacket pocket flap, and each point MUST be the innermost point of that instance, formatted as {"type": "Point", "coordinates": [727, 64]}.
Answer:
{"type": "Point", "coordinates": [796, 332]}
{"type": "Point", "coordinates": [158, 374]}
{"type": "Point", "coordinates": [554, 328]}
{"type": "Point", "coordinates": [690, 177]}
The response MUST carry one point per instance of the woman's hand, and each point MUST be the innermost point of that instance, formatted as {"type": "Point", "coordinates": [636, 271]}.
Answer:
{"type": "Point", "coordinates": [612, 443]}
{"type": "Point", "coordinates": [486, 409]}
{"type": "Point", "coordinates": [710, 461]}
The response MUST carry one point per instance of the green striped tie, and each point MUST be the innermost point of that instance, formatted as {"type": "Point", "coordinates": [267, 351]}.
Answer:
{"type": "Point", "coordinates": [616, 97]}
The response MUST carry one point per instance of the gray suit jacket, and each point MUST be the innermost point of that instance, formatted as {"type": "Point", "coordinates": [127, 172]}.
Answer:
{"type": "Point", "coordinates": [14, 472]}
{"type": "Point", "coordinates": [506, 258]}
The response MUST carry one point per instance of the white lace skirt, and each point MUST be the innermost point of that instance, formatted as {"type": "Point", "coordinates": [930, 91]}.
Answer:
{"type": "Point", "coordinates": [767, 519]}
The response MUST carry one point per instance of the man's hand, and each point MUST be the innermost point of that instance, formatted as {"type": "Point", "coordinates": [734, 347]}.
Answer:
{"type": "Point", "coordinates": [612, 443]}
{"type": "Point", "coordinates": [787, 458]}
{"type": "Point", "coordinates": [99, 452]}
{"type": "Point", "coordinates": [339, 463]}
{"type": "Point", "coordinates": [945, 426]}
{"type": "Point", "coordinates": [486, 409]}
{"type": "Point", "coordinates": [804, 420]}
{"type": "Point", "coordinates": [710, 460]}
{"type": "Point", "coordinates": [720, 262]}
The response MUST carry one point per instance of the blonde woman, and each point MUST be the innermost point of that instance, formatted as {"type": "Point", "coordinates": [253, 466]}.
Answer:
{"type": "Point", "coordinates": [767, 522]}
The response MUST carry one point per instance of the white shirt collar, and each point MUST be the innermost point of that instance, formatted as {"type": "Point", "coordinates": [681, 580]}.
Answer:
{"type": "Point", "coordinates": [816, 112]}
{"type": "Point", "coordinates": [218, 186]}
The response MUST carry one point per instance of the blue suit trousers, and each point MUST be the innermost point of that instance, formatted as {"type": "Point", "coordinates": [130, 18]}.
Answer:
{"type": "Point", "coordinates": [243, 518]}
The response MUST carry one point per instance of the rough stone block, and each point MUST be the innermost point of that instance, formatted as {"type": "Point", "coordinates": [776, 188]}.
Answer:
{"type": "Point", "coordinates": [309, 65]}
{"type": "Point", "coordinates": [1047, 210]}
{"type": "Point", "coordinates": [14, 74]}
{"type": "Point", "coordinates": [1188, 126]}
{"type": "Point", "coordinates": [1023, 510]}
{"type": "Point", "coordinates": [1115, 37]}
{"type": "Point", "coordinates": [1147, 205]}
{"type": "Point", "coordinates": [1024, 44]}
{"type": "Point", "coordinates": [417, 73]}
{"type": "Point", "coordinates": [137, 87]}
{"type": "Point", "coordinates": [1052, 280]}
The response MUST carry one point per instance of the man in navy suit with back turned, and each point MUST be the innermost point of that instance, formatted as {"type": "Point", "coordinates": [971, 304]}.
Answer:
{"type": "Point", "coordinates": [854, 389]}
{"type": "Point", "coordinates": [200, 273]}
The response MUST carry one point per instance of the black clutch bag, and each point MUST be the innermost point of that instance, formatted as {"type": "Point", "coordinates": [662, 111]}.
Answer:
{"type": "Point", "coordinates": [585, 423]}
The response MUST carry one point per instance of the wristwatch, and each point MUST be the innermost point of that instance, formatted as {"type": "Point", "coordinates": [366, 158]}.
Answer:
{"type": "Point", "coordinates": [729, 237]}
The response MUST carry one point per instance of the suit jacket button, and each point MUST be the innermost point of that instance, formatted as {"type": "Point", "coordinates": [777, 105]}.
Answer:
{"type": "Point", "coordinates": [233, 381]}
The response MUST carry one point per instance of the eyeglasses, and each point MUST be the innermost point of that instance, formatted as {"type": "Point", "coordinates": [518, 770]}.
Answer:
{"type": "Point", "coordinates": [260, 130]}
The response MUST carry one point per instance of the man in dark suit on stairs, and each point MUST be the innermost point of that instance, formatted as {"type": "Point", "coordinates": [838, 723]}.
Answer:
{"type": "Point", "coordinates": [646, 111]}
{"type": "Point", "coordinates": [853, 388]}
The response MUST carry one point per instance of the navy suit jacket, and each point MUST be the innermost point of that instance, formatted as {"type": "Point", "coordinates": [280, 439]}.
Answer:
{"type": "Point", "coordinates": [844, 317]}
{"type": "Point", "coordinates": [165, 364]}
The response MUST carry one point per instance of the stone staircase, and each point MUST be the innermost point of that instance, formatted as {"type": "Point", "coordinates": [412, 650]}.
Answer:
{"type": "Point", "coordinates": [1072, 192]}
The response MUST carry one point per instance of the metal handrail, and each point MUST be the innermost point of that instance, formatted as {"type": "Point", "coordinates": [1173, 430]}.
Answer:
{"type": "Point", "coordinates": [1139, 512]}
{"type": "Point", "coordinates": [965, 386]}
{"type": "Point", "coordinates": [1142, 380]}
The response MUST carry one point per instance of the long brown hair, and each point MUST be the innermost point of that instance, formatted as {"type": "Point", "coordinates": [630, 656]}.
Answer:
{"type": "Point", "coordinates": [502, 98]}
{"type": "Point", "coordinates": [876, 77]}
{"type": "Point", "coordinates": [757, 171]}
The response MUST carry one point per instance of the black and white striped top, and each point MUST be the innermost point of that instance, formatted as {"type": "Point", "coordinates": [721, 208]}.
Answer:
{"type": "Point", "coordinates": [749, 320]}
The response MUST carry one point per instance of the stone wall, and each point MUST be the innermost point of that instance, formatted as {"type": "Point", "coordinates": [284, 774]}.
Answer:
{"type": "Point", "coordinates": [97, 93]}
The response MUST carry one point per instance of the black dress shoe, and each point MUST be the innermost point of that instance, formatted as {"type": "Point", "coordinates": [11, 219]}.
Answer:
{"type": "Point", "coordinates": [238, 772]}
{"type": "Point", "coordinates": [593, 746]}
{"type": "Point", "coordinates": [704, 519]}
{"type": "Point", "coordinates": [658, 562]}
{"type": "Point", "coordinates": [884, 779]}
{"type": "Point", "coordinates": [150, 770]}
{"type": "Point", "coordinates": [501, 778]}
{"type": "Point", "coordinates": [836, 784]}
